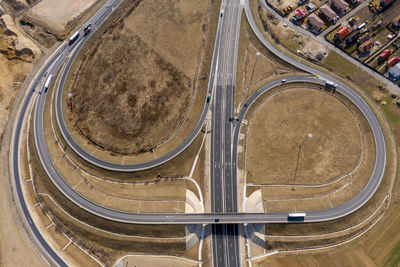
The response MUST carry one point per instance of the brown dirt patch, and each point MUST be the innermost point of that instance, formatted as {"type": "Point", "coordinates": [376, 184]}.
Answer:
{"type": "Point", "coordinates": [281, 124]}
{"type": "Point", "coordinates": [148, 100]}
{"type": "Point", "coordinates": [55, 15]}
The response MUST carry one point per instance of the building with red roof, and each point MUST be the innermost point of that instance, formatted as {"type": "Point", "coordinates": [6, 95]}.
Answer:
{"type": "Point", "coordinates": [342, 32]}
{"type": "Point", "coordinates": [392, 61]}
{"type": "Point", "coordinates": [300, 13]}
{"type": "Point", "coordinates": [384, 55]}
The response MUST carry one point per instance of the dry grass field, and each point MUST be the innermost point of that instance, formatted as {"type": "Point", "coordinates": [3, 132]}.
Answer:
{"type": "Point", "coordinates": [283, 122]}
{"type": "Point", "coordinates": [136, 88]}
{"type": "Point", "coordinates": [88, 230]}
{"type": "Point", "coordinates": [268, 153]}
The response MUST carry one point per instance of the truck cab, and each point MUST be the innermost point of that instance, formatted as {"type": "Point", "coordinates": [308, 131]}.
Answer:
{"type": "Point", "coordinates": [329, 84]}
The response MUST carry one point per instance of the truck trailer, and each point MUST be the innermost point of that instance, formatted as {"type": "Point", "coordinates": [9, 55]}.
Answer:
{"type": "Point", "coordinates": [47, 83]}
{"type": "Point", "coordinates": [73, 38]}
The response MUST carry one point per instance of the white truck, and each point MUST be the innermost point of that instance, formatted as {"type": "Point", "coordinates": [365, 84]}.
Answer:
{"type": "Point", "coordinates": [329, 84]}
{"type": "Point", "coordinates": [48, 82]}
{"type": "Point", "coordinates": [73, 38]}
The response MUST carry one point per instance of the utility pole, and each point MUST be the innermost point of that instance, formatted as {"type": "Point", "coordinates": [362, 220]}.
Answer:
{"type": "Point", "coordinates": [309, 136]}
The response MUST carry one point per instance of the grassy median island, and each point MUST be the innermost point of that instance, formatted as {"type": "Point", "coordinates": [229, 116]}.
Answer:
{"type": "Point", "coordinates": [333, 165]}
{"type": "Point", "coordinates": [284, 121]}
{"type": "Point", "coordinates": [136, 84]}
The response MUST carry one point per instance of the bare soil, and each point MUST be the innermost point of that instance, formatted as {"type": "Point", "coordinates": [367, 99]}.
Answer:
{"type": "Point", "coordinates": [148, 99]}
{"type": "Point", "coordinates": [55, 15]}
{"type": "Point", "coordinates": [135, 87]}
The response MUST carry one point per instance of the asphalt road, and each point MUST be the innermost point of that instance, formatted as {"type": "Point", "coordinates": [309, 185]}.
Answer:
{"type": "Point", "coordinates": [226, 249]}
{"type": "Point", "coordinates": [224, 176]}
{"type": "Point", "coordinates": [38, 82]}
{"type": "Point", "coordinates": [232, 217]}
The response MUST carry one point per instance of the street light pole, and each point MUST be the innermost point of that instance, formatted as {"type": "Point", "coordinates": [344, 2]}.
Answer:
{"type": "Point", "coordinates": [254, 66]}
{"type": "Point", "coordinates": [70, 100]}
{"type": "Point", "coordinates": [309, 136]}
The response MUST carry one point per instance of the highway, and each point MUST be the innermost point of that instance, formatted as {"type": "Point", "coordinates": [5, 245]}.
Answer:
{"type": "Point", "coordinates": [226, 249]}
{"type": "Point", "coordinates": [224, 143]}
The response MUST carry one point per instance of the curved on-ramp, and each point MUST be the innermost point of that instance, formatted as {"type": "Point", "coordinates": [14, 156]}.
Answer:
{"type": "Point", "coordinates": [281, 217]}
{"type": "Point", "coordinates": [321, 215]}
{"type": "Point", "coordinates": [138, 166]}
{"type": "Point", "coordinates": [312, 216]}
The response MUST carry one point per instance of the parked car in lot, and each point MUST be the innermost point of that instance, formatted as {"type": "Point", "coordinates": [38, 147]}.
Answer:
{"type": "Point", "coordinates": [302, 2]}
{"type": "Point", "coordinates": [310, 7]}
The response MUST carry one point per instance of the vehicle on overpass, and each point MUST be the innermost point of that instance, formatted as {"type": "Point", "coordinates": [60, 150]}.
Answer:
{"type": "Point", "coordinates": [296, 217]}
{"type": "Point", "coordinates": [330, 84]}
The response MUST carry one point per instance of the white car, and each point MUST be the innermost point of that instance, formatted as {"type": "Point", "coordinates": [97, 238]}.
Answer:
{"type": "Point", "coordinates": [283, 80]}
